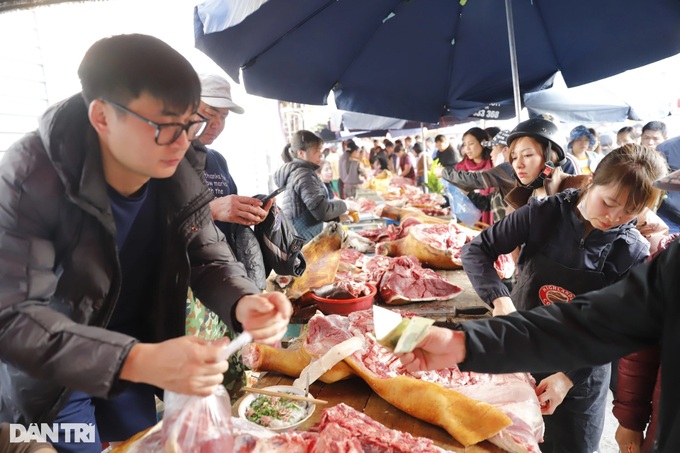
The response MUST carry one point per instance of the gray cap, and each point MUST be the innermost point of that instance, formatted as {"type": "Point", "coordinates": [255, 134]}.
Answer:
{"type": "Point", "coordinates": [216, 92]}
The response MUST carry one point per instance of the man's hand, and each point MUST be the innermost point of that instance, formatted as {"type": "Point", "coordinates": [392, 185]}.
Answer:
{"type": "Point", "coordinates": [237, 209]}
{"type": "Point", "coordinates": [503, 306]}
{"type": "Point", "coordinates": [629, 441]}
{"type": "Point", "coordinates": [186, 365]}
{"type": "Point", "coordinates": [265, 316]}
{"type": "Point", "coordinates": [551, 391]}
{"type": "Point", "coordinates": [441, 348]}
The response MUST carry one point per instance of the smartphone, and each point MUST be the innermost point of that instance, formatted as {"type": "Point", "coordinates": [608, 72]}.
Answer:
{"type": "Point", "coordinates": [266, 199]}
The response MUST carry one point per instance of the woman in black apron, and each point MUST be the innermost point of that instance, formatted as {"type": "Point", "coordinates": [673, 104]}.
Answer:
{"type": "Point", "coordinates": [571, 243]}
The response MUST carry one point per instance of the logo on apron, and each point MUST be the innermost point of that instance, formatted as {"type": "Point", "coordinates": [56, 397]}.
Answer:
{"type": "Point", "coordinates": [549, 294]}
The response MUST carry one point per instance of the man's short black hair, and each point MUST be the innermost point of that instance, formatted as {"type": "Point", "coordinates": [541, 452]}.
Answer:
{"type": "Point", "coordinates": [120, 68]}
{"type": "Point", "coordinates": [655, 126]}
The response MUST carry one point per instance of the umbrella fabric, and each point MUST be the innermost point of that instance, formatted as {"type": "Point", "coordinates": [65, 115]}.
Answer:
{"type": "Point", "coordinates": [424, 59]}
{"type": "Point", "coordinates": [584, 104]}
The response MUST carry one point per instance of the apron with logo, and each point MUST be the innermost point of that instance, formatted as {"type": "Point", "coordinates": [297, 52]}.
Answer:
{"type": "Point", "coordinates": [576, 425]}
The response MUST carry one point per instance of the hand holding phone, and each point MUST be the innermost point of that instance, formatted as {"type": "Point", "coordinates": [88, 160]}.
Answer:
{"type": "Point", "coordinates": [266, 199]}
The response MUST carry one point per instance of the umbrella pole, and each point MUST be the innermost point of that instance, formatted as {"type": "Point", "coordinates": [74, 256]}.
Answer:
{"type": "Point", "coordinates": [424, 153]}
{"type": "Point", "coordinates": [513, 58]}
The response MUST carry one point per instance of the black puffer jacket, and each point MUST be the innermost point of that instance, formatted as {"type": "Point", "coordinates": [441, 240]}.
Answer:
{"type": "Point", "coordinates": [305, 202]}
{"type": "Point", "coordinates": [60, 273]}
{"type": "Point", "coordinates": [638, 312]}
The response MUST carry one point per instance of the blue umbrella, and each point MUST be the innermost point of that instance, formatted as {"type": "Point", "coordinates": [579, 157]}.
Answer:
{"type": "Point", "coordinates": [424, 59]}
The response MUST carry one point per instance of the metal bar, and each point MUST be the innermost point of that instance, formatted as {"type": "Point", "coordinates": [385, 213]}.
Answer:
{"type": "Point", "coordinates": [513, 59]}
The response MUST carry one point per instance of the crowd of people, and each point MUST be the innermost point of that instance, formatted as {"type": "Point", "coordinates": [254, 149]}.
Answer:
{"type": "Point", "coordinates": [107, 223]}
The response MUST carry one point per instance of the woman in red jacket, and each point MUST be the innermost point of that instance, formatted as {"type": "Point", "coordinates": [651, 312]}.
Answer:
{"type": "Point", "coordinates": [477, 158]}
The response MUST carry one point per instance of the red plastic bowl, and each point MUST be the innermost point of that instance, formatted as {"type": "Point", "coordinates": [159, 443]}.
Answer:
{"type": "Point", "coordinates": [345, 306]}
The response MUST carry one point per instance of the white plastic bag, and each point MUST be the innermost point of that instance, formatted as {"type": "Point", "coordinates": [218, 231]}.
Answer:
{"type": "Point", "coordinates": [197, 424]}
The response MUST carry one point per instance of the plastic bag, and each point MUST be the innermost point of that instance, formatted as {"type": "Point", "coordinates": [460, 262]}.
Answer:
{"type": "Point", "coordinates": [462, 206]}
{"type": "Point", "coordinates": [197, 424]}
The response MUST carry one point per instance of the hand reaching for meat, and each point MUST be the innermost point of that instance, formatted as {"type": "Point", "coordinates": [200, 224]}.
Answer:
{"type": "Point", "coordinates": [551, 391]}
{"type": "Point", "coordinates": [441, 348]}
{"type": "Point", "coordinates": [503, 306]}
{"type": "Point", "coordinates": [187, 365]}
{"type": "Point", "coordinates": [237, 209]}
{"type": "Point", "coordinates": [629, 441]}
{"type": "Point", "coordinates": [265, 316]}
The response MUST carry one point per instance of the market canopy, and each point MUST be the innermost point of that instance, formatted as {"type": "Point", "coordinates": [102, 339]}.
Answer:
{"type": "Point", "coordinates": [424, 59]}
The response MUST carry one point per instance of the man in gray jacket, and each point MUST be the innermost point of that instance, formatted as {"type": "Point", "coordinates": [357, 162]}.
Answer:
{"type": "Point", "coordinates": [104, 226]}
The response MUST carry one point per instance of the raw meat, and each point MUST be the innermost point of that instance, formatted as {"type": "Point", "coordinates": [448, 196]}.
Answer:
{"type": "Point", "coordinates": [197, 424]}
{"type": "Point", "coordinates": [436, 246]}
{"type": "Point", "coordinates": [467, 420]}
{"type": "Point", "coordinates": [425, 394]}
{"type": "Point", "coordinates": [344, 422]}
{"type": "Point", "coordinates": [351, 256]}
{"type": "Point", "coordinates": [366, 204]}
{"type": "Point", "coordinates": [288, 442]}
{"type": "Point", "coordinates": [505, 266]}
{"type": "Point", "coordinates": [440, 246]}
{"type": "Point", "coordinates": [406, 281]}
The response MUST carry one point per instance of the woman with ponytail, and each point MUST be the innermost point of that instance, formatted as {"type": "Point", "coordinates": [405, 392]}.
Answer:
{"type": "Point", "coordinates": [305, 202]}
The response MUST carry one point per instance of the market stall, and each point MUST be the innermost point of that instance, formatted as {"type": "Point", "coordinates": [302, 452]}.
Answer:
{"type": "Point", "coordinates": [464, 306]}
{"type": "Point", "coordinates": [360, 396]}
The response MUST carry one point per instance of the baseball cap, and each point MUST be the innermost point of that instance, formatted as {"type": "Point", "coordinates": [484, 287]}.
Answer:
{"type": "Point", "coordinates": [500, 138]}
{"type": "Point", "coordinates": [216, 92]}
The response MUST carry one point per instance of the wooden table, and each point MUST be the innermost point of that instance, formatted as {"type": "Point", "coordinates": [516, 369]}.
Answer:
{"type": "Point", "coordinates": [356, 393]}
{"type": "Point", "coordinates": [445, 311]}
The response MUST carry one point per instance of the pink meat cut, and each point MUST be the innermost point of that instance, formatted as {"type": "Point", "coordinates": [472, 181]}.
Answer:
{"type": "Point", "coordinates": [342, 430]}
{"type": "Point", "coordinates": [343, 422]}
{"type": "Point", "coordinates": [406, 281]}
{"type": "Point", "coordinates": [514, 394]}
{"type": "Point", "coordinates": [400, 280]}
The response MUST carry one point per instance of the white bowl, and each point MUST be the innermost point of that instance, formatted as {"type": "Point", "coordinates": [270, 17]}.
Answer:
{"type": "Point", "coordinates": [250, 398]}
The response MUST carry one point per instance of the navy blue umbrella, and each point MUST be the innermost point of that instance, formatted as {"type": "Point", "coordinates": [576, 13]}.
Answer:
{"type": "Point", "coordinates": [424, 59]}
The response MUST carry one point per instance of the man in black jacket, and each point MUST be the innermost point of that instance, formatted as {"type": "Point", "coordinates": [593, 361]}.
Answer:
{"type": "Point", "coordinates": [595, 328]}
{"type": "Point", "coordinates": [104, 226]}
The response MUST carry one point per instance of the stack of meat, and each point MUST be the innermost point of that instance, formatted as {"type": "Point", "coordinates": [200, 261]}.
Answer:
{"type": "Point", "coordinates": [436, 243]}
{"type": "Point", "coordinates": [399, 280]}
{"type": "Point", "coordinates": [400, 192]}
{"type": "Point", "coordinates": [471, 406]}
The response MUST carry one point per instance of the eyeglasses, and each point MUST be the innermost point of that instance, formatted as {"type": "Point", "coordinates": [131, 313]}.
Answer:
{"type": "Point", "coordinates": [167, 133]}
